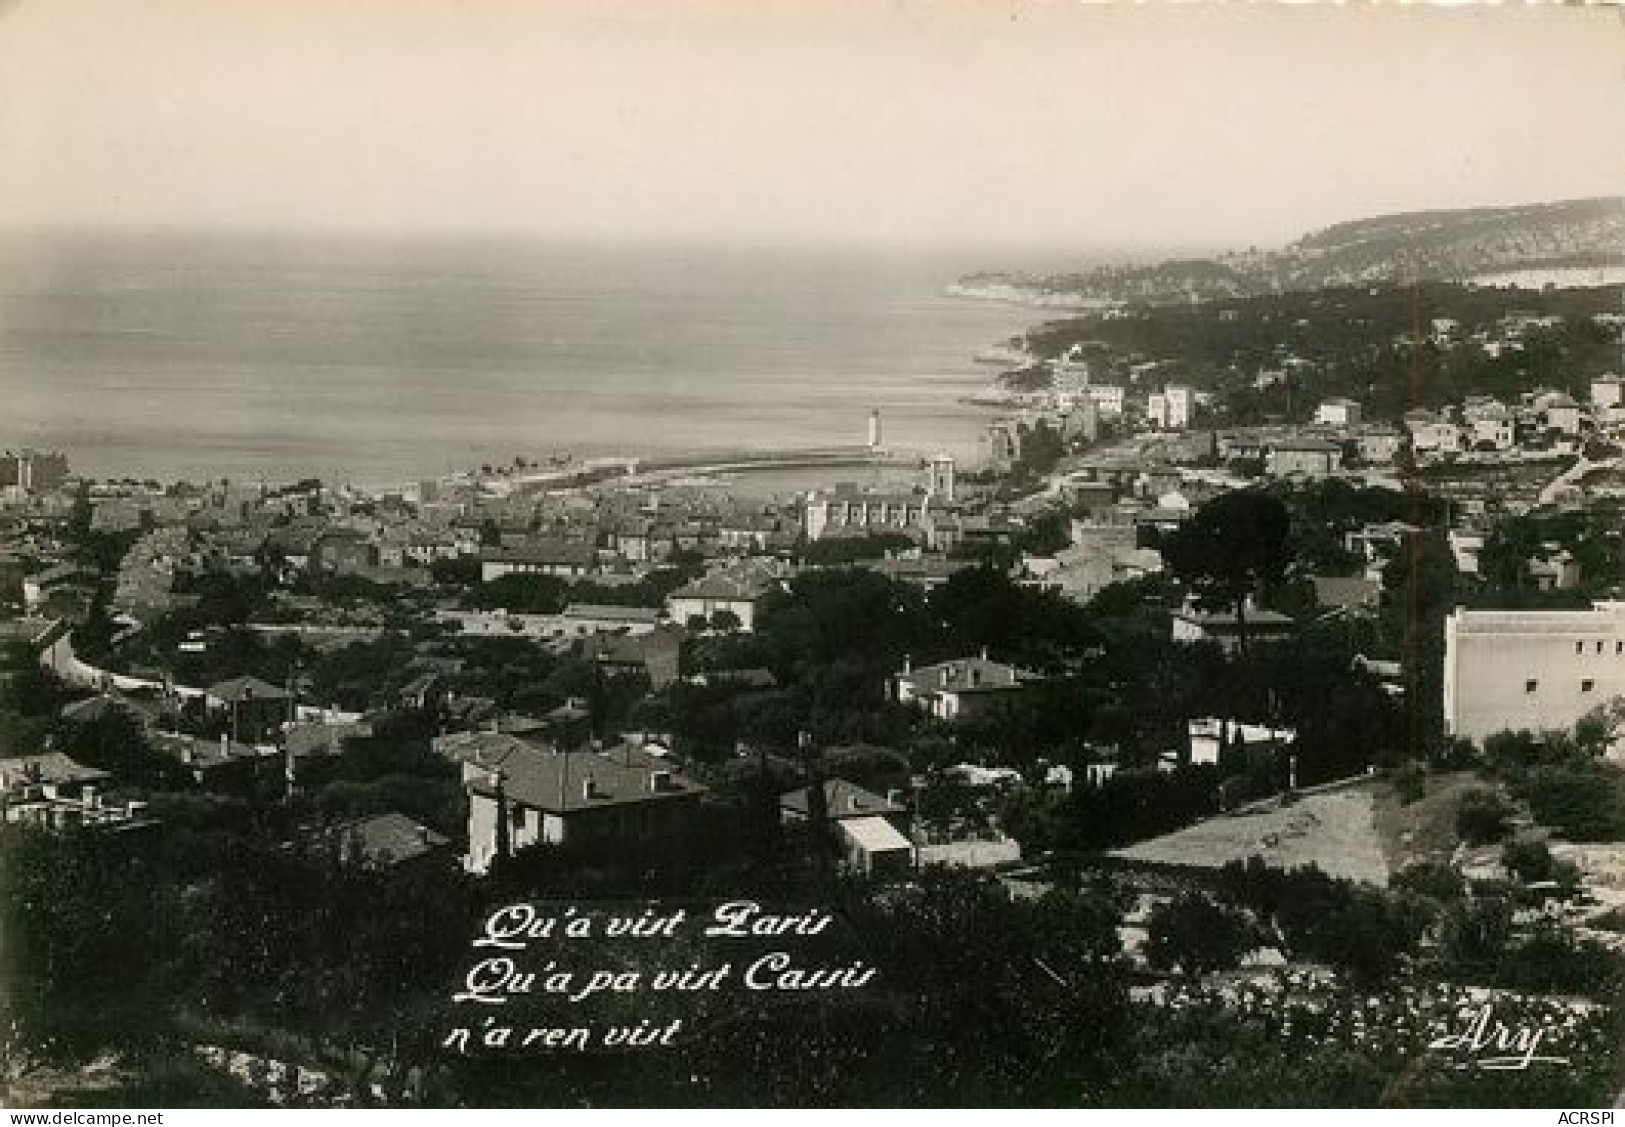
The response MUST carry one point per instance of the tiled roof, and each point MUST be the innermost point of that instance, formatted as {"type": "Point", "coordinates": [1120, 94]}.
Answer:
{"type": "Point", "coordinates": [1352, 591]}
{"type": "Point", "coordinates": [1305, 446]}
{"type": "Point", "coordinates": [61, 573]}
{"type": "Point", "coordinates": [746, 582]}
{"type": "Point", "coordinates": [1605, 619]}
{"type": "Point", "coordinates": [543, 552]}
{"type": "Point", "coordinates": [876, 835]}
{"type": "Point", "coordinates": [842, 799]}
{"type": "Point", "coordinates": [94, 708]}
{"type": "Point", "coordinates": [1225, 619]}
{"type": "Point", "coordinates": [483, 749]}
{"type": "Point", "coordinates": [611, 613]}
{"type": "Point", "coordinates": [48, 767]}
{"type": "Point", "coordinates": [202, 752]}
{"type": "Point", "coordinates": [386, 839]}
{"type": "Point", "coordinates": [323, 739]}
{"type": "Point", "coordinates": [630, 649]}
{"type": "Point", "coordinates": [904, 568]}
{"type": "Point", "coordinates": [971, 673]}
{"type": "Point", "coordinates": [586, 780]}
{"type": "Point", "coordinates": [240, 689]}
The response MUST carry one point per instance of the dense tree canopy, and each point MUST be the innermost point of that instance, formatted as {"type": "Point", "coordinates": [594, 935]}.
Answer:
{"type": "Point", "coordinates": [1233, 547]}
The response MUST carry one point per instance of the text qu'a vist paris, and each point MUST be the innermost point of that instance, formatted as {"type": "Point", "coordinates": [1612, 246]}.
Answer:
{"type": "Point", "coordinates": [494, 980]}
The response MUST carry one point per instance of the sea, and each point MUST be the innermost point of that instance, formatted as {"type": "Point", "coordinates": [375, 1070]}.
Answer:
{"type": "Point", "coordinates": [379, 361]}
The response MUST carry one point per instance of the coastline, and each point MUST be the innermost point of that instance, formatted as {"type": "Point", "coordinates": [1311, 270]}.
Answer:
{"type": "Point", "coordinates": [1014, 293]}
{"type": "Point", "coordinates": [356, 365]}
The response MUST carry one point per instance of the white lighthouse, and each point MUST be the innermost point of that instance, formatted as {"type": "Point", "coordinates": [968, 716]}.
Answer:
{"type": "Point", "coordinates": [941, 480]}
{"type": "Point", "coordinates": [874, 428]}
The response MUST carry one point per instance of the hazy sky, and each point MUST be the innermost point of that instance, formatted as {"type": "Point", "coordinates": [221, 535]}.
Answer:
{"type": "Point", "coordinates": [930, 120]}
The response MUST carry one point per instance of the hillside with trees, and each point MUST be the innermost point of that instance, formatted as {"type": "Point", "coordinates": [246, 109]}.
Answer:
{"type": "Point", "coordinates": [1444, 245]}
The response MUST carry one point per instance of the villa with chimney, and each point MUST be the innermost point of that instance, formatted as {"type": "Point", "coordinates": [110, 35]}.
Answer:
{"type": "Point", "coordinates": [957, 690]}
{"type": "Point", "coordinates": [520, 794]}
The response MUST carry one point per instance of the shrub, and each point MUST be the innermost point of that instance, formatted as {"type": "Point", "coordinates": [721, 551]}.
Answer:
{"type": "Point", "coordinates": [1555, 962]}
{"type": "Point", "coordinates": [1483, 817]}
{"type": "Point", "coordinates": [1365, 932]}
{"type": "Point", "coordinates": [1433, 879]}
{"type": "Point", "coordinates": [1511, 753]}
{"type": "Point", "coordinates": [1453, 755]}
{"type": "Point", "coordinates": [1583, 803]}
{"type": "Point", "coordinates": [1475, 933]}
{"type": "Point", "coordinates": [1612, 920]}
{"type": "Point", "coordinates": [1199, 934]}
{"type": "Point", "coordinates": [1410, 783]}
{"type": "Point", "coordinates": [1528, 859]}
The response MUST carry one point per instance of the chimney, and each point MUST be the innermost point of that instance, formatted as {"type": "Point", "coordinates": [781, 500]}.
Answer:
{"type": "Point", "coordinates": [984, 653]}
{"type": "Point", "coordinates": [908, 663]}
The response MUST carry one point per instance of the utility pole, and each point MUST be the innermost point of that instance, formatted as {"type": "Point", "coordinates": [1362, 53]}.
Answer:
{"type": "Point", "coordinates": [817, 802]}
{"type": "Point", "coordinates": [502, 843]}
{"type": "Point", "coordinates": [293, 694]}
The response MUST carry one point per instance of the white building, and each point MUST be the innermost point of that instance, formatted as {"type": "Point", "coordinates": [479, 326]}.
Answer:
{"type": "Point", "coordinates": [863, 824]}
{"type": "Point", "coordinates": [846, 510]}
{"type": "Point", "coordinates": [1465, 547]}
{"type": "Point", "coordinates": [1069, 376]}
{"type": "Point", "coordinates": [538, 558]}
{"type": "Point", "coordinates": [1171, 408]}
{"type": "Point", "coordinates": [955, 690]}
{"type": "Point", "coordinates": [739, 590]}
{"type": "Point", "coordinates": [1530, 669]}
{"type": "Point", "coordinates": [1431, 434]}
{"type": "Point", "coordinates": [1108, 398]}
{"type": "Point", "coordinates": [1379, 445]}
{"type": "Point", "coordinates": [1607, 391]}
{"type": "Point", "coordinates": [1338, 412]}
{"type": "Point", "coordinates": [1490, 424]}
{"type": "Point", "coordinates": [1181, 405]}
{"type": "Point", "coordinates": [1562, 413]}
{"type": "Point", "coordinates": [521, 795]}
{"type": "Point", "coordinates": [1210, 734]}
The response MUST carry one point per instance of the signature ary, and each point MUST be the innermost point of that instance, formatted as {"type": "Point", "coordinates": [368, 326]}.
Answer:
{"type": "Point", "coordinates": [1493, 1045]}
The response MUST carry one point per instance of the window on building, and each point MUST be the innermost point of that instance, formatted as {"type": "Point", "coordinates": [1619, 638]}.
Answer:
{"type": "Point", "coordinates": [1579, 647]}
{"type": "Point", "coordinates": [1587, 685]}
{"type": "Point", "coordinates": [1599, 647]}
{"type": "Point", "coordinates": [1530, 686]}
